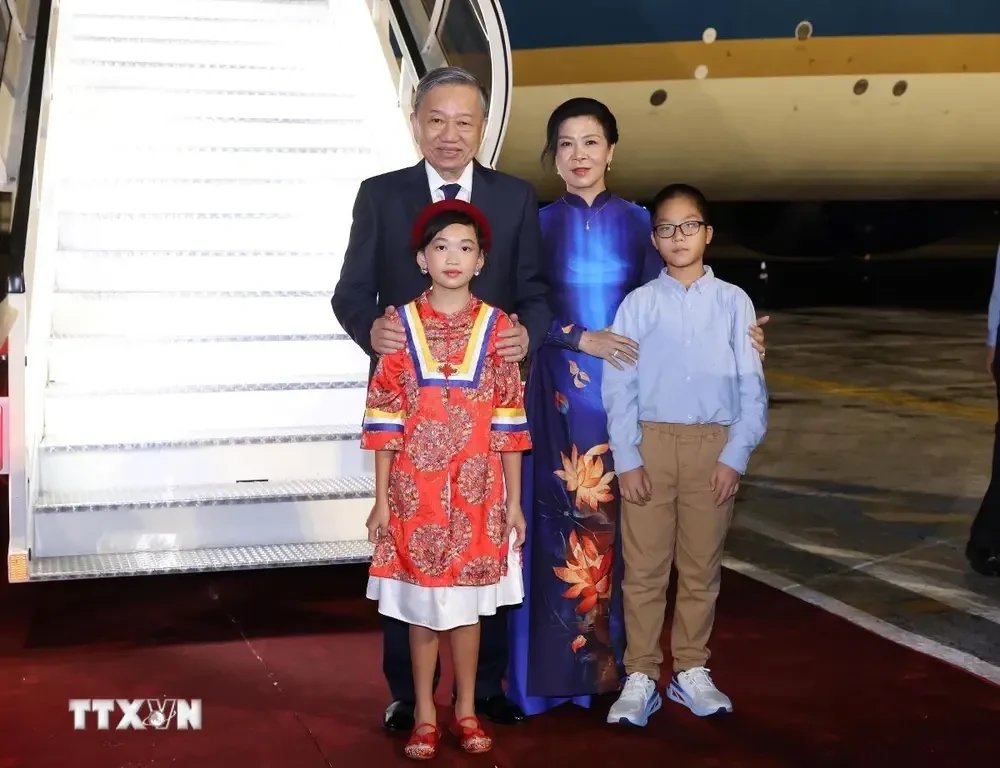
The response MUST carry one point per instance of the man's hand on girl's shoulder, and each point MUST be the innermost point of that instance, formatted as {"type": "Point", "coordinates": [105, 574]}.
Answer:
{"type": "Point", "coordinates": [387, 335]}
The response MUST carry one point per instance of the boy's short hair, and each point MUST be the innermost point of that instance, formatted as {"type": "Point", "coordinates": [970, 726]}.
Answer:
{"type": "Point", "coordinates": [686, 191]}
{"type": "Point", "coordinates": [439, 216]}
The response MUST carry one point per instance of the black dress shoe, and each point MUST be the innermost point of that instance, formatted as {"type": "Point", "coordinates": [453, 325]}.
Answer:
{"type": "Point", "coordinates": [984, 560]}
{"type": "Point", "coordinates": [500, 710]}
{"type": "Point", "coordinates": [398, 717]}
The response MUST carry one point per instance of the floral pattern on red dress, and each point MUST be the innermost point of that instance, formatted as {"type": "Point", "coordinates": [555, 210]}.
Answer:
{"type": "Point", "coordinates": [446, 487]}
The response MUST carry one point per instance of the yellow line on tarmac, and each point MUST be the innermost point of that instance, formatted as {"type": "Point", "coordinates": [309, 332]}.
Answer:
{"type": "Point", "coordinates": [921, 518]}
{"type": "Point", "coordinates": [885, 397]}
{"type": "Point", "coordinates": [924, 605]}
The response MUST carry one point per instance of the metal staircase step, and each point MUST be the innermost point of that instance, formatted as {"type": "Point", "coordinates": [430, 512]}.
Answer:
{"type": "Point", "coordinates": [172, 196]}
{"type": "Point", "coordinates": [285, 53]}
{"type": "Point", "coordinates": [102, 362]}
{"type": "Point", "coordinates": [78, 411]}
{"type": "Point", "coordinates": [231, 515]}
{"type": "Point", "coordinates": [251, 10]}
{"type": "Point", "coordinates": [205, 313]}
{"type": "Point", "coordinates": [141, 461]}
{"type": "Point", "coordinates": [222, 162]}
{"type": "Point", "coordinates": [206, 495]}
{"type": "Point", "coordinates": [78, 101]}
{"type": "Point", "coordinates": [306, 31]}
{"type": "Point", "coordinates": [200, 231]}
{"type": "Point", "coordinates": [101, 133]}
{"type": "Point", "coordinates": [147, 75]}
{"type": "Point", "coordinates": [193, 271]}
{"type": "Point", "coordinates": [199, 560]}
{"type": "Point", "coordinates": [125, 437]}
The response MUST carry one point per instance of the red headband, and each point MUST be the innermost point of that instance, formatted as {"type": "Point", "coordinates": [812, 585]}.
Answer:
{"type": "Point", "coordinates": [459, 206]}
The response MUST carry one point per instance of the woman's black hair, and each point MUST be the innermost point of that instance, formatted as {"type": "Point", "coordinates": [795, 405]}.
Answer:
{"type": "Point", "coordinates": [578, 107]}
{"type": "Point", "coordinates": [441, 221]}
{"type": "Point", "coordinates": [686, 191]}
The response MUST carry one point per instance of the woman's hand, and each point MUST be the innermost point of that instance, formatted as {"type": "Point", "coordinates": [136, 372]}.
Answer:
{"type": "Point", "coordinates": [516, 522]}
{"type": "Point", "coordinates": [611, 347]}
{"type": "Point", "coordinates": [378, 521]}
{"type": "Point", "coordinates": [757, 336]}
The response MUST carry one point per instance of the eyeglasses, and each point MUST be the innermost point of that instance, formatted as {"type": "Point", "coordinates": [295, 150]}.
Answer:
{"type": "Point", "coordinates": [687, 228]}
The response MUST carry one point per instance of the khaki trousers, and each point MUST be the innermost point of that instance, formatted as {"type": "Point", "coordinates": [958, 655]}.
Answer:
{"type": "Point", "coordinates": [681, 524]}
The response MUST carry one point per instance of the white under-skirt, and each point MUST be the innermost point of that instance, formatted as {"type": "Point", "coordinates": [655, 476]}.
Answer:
{"type": "Point", "coordinates": [443, 608]}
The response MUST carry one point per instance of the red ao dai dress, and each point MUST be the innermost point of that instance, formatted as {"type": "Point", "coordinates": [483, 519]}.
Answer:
{"type": "Point", "coordinates": [448, 405]}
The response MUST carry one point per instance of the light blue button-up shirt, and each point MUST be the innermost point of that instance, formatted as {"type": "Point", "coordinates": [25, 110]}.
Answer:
{"type": "Point", "coordinates": [993, 315]}
{"type": "Point", "coordinates": [696, 366]}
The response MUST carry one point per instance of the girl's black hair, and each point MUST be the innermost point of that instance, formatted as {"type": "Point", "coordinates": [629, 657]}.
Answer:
{"type": "Point", "coordinates": [686, 191]}
{"type": "Point", "coordinates": [578, 107]}
{"type": "Point", "coordinates": [441, 221]}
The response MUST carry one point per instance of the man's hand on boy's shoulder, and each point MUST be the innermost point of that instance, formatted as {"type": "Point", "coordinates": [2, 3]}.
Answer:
{"type": "Point", "coordinates": [725, 482]}
{"type": "Point", "coordinates": [635, 486]}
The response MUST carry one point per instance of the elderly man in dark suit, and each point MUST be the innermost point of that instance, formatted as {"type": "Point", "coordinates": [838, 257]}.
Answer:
{"type": "Point", "coordinates": [380, 273]}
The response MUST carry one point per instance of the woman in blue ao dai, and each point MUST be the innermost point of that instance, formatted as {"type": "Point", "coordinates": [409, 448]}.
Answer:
{"type": "Point", "coordinates": [568, 638]}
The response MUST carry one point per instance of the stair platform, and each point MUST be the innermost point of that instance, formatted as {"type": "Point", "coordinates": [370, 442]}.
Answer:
{"type": "Point", "coordinates": [200, 560]}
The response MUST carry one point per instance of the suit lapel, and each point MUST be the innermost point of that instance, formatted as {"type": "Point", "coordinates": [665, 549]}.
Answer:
{"type": "Point", "coordinates": [418, 195]}
{"type": "Point", "coordinates": [484, 198]}
{"type": "Point", "coordinates": [482, 188]}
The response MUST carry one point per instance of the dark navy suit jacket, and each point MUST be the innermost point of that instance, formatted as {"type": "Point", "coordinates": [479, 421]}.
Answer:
{"type": "Point", "coordinates": [380, 269]}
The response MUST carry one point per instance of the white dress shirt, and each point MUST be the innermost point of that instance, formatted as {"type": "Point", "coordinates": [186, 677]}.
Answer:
{"type": "Point", "coordinates": [435, 182]}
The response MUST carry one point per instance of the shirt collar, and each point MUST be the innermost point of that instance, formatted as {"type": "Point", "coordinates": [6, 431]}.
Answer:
{"type": "Point", "coordinates": [700, 285]}
{"type": "Point", "coordinates": [436, 182]}
{"type": "Point", "coordinates": [575, 201]}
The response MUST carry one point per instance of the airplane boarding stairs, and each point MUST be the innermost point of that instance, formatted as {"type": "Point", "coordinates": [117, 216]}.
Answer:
{"type": "Point", "coordinates": [202, 407]}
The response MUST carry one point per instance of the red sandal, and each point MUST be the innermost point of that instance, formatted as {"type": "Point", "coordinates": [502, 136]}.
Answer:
{"type": "Point", "coordinates": [471, 735]}
{"type": "Point", "coordinates": [423, 746]}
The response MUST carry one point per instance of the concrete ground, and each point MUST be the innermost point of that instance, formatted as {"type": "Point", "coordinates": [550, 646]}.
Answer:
{"type": "Point", "coordinates": [877, 456]}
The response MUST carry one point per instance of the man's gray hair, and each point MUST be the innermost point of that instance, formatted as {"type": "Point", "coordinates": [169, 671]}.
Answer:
{"type": "Point", "coordinates": [449, 76]}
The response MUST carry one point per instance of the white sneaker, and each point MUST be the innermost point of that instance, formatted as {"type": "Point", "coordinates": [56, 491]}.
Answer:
{"type": "Point", "coordinates": [638, 700]}
{"type": "Point", "coordinates": [695, 690]}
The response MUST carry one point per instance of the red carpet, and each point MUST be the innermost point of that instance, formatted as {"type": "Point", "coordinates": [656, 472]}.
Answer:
{"type": "Point", "coordinates": [287, 664]}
